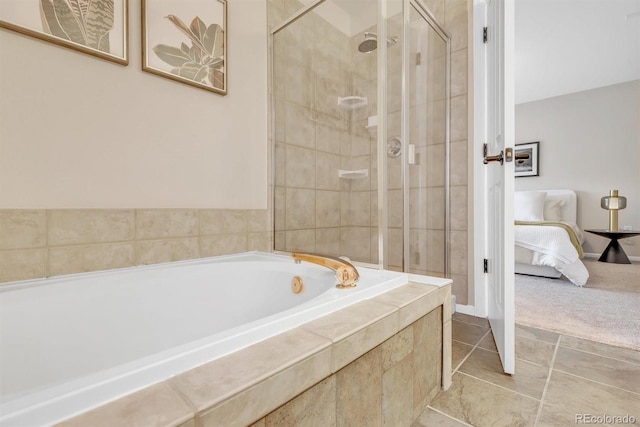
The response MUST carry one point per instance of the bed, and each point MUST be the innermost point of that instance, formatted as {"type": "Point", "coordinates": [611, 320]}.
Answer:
{"type": "Point", "coordinates": [548, 242]}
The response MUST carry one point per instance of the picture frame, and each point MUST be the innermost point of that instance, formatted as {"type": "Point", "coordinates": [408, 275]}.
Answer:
{"type": "Point", "coordinates": [99, 28]}
{"type": "Point", "coordinates": [186, 41]}
{"type": "Point", "coordinates": [530, 166]}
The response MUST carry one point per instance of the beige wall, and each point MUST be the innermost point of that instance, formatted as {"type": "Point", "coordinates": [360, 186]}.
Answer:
{"type": "Point", "coordinates": [590, 143]}
{"type": "Point", "coordinates": [80, 132]}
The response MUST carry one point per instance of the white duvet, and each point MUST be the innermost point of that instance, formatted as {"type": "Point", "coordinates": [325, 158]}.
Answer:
{"type": "Point", "coordinates": [552, 247]}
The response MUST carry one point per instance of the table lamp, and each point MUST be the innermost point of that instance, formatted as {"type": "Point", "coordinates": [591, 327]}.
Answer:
{"type": "Point", "coordinates": [613, 203]}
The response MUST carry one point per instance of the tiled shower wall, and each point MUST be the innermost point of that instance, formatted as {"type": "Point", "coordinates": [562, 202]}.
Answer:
{"type": "Point", "coordinates": [43, 243]}
{"type": "Point", "coordinates": [315, 211]}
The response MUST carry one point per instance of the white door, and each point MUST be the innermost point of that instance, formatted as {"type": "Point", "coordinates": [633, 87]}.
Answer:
{"type": "Point", "coordinates": [499, 177]}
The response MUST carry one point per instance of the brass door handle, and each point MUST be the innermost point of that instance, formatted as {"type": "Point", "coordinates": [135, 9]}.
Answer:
{"type": "Point", "coordinates": [496, 158]}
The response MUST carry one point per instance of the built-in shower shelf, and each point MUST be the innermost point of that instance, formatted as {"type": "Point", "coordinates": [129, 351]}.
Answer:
{"type": "Point", "coordinates": [353, 174]}
{"type": "Point", "coordinates": [352, 102]}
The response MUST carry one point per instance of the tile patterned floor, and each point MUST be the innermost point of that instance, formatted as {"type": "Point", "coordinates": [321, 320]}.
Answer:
{"type": "Point", "coordinates": [558, 378]}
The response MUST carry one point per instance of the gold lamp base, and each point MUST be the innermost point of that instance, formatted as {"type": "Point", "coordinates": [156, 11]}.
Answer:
{"type": "Point", "coordinates": [613, 203]}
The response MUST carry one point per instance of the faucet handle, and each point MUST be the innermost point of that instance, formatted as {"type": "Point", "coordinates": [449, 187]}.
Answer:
{"type": "Point", "coordinates": [347, 277]}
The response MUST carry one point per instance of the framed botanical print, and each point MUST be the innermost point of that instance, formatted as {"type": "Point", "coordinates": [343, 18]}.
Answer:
{"type": "Point", "coordinates": [96, 27]}
{"type": "Point", "coordinates": [186, 41]}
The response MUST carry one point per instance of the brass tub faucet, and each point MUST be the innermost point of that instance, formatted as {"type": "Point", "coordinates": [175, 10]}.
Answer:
{"type": "Point", "coordinates": [346, 273]}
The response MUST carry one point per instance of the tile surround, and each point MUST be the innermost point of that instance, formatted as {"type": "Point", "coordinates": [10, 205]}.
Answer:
{"type": "Point", "coordinates": [43, 243]}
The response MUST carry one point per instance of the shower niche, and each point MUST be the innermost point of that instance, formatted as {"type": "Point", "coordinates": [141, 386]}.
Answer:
{"type": "Point", "coordinates": [360, 160]}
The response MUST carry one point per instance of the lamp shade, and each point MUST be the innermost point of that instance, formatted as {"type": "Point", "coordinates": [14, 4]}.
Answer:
{"type": "Point", "coordinates": [613, 201]}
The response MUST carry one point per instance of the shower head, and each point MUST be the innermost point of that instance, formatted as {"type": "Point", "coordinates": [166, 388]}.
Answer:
{"type": "Point", "coordinates": [370, 42]}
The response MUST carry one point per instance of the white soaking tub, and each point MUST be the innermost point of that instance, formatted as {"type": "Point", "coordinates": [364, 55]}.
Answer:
{"type": "Point", "coordinates": [72, 343]}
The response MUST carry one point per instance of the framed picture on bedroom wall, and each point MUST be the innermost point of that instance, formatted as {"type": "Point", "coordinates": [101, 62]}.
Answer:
{"type": "Point", "coordinates": [531, 165]}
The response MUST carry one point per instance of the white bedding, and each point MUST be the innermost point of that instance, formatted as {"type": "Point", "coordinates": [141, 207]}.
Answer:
{"type": "Point", "coordinates": [551, 246]}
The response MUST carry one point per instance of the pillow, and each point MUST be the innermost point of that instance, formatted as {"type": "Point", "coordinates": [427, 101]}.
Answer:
{"type": "Point", "coordinates": [553, 209]}
{"type": "Point", "coordinates": [529, 205]}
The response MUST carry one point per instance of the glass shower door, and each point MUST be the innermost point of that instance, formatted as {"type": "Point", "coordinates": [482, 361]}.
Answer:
{"type": "Point", "coordinates": [427, 148]}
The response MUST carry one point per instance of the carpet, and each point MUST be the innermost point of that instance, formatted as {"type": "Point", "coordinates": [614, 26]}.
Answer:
{"type": "Point", "coordinates": [606, 309]}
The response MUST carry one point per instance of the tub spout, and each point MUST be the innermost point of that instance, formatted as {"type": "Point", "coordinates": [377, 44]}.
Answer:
{"type": "Point", "coordinates": [346, 273]}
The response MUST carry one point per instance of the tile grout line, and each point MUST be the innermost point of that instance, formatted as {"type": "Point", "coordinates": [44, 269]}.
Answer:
{"type": "Point", "coordinates": [448, 416]}
{"type": "Point", "coordinates": [500, 386]}
{"type": "Point", "coordinates": [469, 354]}
{"type": "Point", "coordinates": [517, 358]}
{"type": "Point", "coordinates": [602, 355]}
{"type": "Point", "coordinates": [546, 384]}
{"type": "Point", "coordinates": [598, 382]}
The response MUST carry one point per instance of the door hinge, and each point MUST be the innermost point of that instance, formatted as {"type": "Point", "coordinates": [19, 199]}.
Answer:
{"type": "Point", "coordinates": [485, 34]}
{"type": "Point", "coordinates": [485, 265]}
{"type": "Point", "coordinates": [418, 58]}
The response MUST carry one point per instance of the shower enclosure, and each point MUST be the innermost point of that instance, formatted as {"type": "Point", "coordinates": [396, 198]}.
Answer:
{"type": "Point", "coordinates": [360, 133]}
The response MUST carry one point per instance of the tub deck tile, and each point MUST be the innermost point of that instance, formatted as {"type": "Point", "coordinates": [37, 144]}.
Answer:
{"type": "Point", "coordinates": [157, 405]}
{"type": "Point", "coordinates": [219, 380]}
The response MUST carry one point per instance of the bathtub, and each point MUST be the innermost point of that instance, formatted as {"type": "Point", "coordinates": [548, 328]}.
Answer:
{"type": "Point", "coordinates": [72, 343]}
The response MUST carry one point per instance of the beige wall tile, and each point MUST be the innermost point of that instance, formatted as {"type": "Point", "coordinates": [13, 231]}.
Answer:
{"type": "Point", "coordinates": [360, 206]}
{"type": "Point", "coordinates": [299, 83]}
{"type": "Point", "coordinates": [458, 207]}
{"type": "Point", "coordinates": [397, 348]}
{"type": "Point", "coordinates": [84, 258]}
{"type": "Point", "coordinates": [300, 240]}
{"type": "Point", "coordinates": [156, 405]}
{"type": "Point", "coordinates": [166, 250]}
{"type": "Point", "coordinates": [301, 208]}
{"type": "Point", "coordinates": [327, 166]}
{"type": "Point", "coordinates": [328, 240]}
{"type": "Point", "coordinates": [427, 353]}
{"type": "Point", "coordinates": [460, 288]}
{"type": "Point", "coordinates": [459, 68]}
{"type": "Point", "coordinates": [262, 242]}
{"type": "Point", "coordinates": [259, 220]}
{"type": "Point", "coordinates": [314, 407]}
{"type": "Point", "coordinates": [327, 209]}
{"type": "Point", "coordinates": [459, 252]}
{"type": "Point", "coordinates": [359, 397]}
{"type": "Point", "coordinates": [459, 165]}
{"type": "Point", "coordinates": [459, 118]}
{"type": "Point", "coordinates": [300, 167]}
{"type": "Point", "coordinates": [163, 223]}
{"type": "Point", "coordinates": [456, 22]}
{"type": "Point", "coordinates": [223, 244]}
{"type": "Point", "coordinates": [223, 221]}
{"type": "Point", "coordinates": [397, 393]}
{"type": "Point", "coordinates": [22, 229]}
{"type": "Point", "coordinates": [299, 127]}
{"type": "Point", "coordinates": [355, 243]}
{"type": "Point", "coordinates": [22, 264]}
{"type": "Point", "coordinates": [80, 226]}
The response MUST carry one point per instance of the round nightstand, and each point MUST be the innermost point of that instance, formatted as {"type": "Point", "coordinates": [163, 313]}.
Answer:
{"type": "Point", "coordinates": [614, 252]}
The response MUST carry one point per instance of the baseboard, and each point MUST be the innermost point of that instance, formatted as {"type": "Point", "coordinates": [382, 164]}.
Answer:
{"type": "Point", "coordinates": [466, 309]}
{"type": "Point", "coordinates": [592, 255]}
